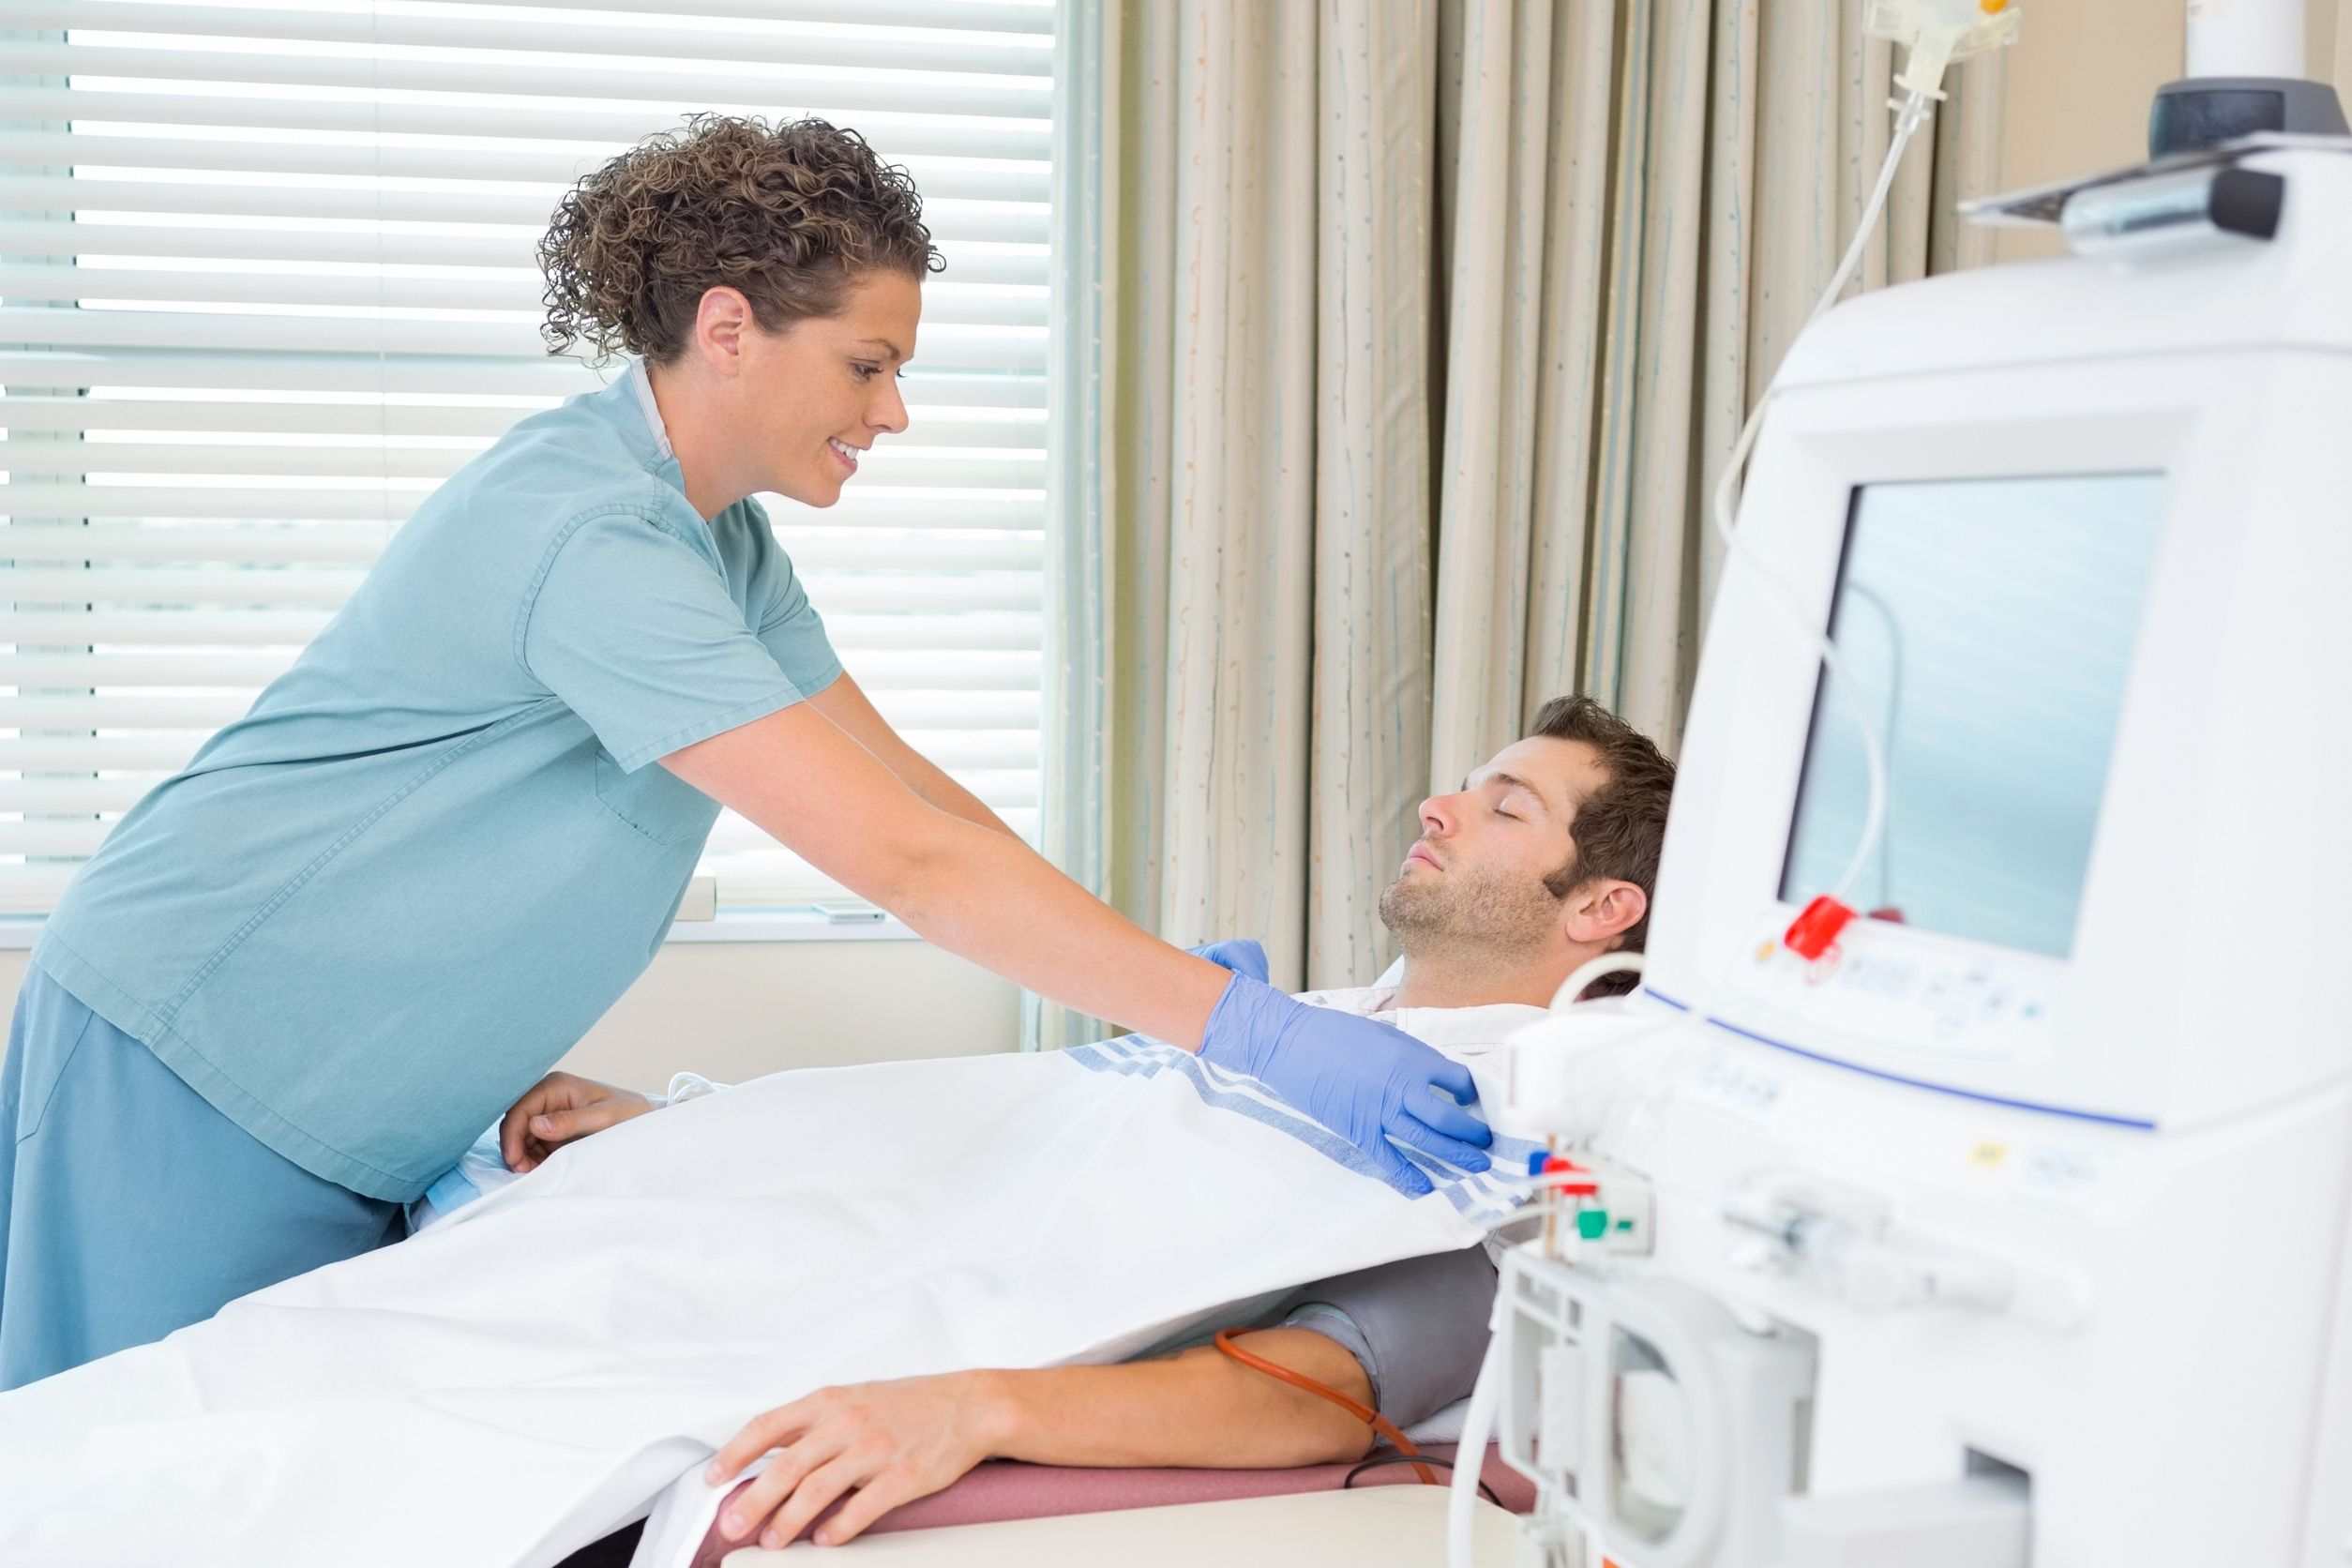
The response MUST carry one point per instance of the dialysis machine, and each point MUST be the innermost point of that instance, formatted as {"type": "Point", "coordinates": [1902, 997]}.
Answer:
{"type": "Point", "coordinates": [2008, 1223]}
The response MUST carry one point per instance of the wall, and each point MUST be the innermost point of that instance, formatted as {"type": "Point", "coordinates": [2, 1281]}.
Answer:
{"type": "Point", "coordinates": [734, 1010]}
{"type": "Point", "coordinates": [2331, 44]}
{"type": "Point", "coordinates": [2077, 86]}
{"type": "Point", "coordinates": [2080, 78]}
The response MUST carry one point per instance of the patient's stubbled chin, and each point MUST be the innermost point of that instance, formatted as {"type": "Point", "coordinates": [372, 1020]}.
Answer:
{"type": "Point", "coordinates": [1468, 916]}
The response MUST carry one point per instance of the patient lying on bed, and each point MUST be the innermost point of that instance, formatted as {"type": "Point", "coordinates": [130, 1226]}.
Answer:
{"type": "Point", "coordinates": [1544, 858]}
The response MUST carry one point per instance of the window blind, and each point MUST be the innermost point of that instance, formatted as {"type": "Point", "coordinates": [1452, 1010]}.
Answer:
{"type": "Point", "coordinates": [266, 277]}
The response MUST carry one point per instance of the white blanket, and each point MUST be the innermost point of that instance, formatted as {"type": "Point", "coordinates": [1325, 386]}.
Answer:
{"type": "Point", "coordinates": [528, 1376]}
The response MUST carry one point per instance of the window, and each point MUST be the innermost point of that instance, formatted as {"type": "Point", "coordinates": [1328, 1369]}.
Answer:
{"type": "Point", "coordinates": [266, 277]}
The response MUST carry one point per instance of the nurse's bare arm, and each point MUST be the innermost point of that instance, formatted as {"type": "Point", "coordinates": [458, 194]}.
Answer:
{"type": "Point", "coordinates": [846, 704]}
{"type": "Point", "coordinates": [974, 891]}
{"type": "Point", "coordinates": [899, 1441]}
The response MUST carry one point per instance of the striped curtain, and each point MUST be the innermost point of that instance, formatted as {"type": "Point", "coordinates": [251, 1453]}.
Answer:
{"type": "Point", "coordinates": [1407, 333]}
{"type": "Point", "coordinates": [1643, 202]}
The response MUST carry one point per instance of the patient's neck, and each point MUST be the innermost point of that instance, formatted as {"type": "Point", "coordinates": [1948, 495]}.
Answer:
{"type": "Point", "coordinates": [1481, 978]}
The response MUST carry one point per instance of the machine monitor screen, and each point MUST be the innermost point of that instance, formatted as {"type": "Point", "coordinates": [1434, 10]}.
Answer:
{"type": "Point", "coordinates": [1989, 626]}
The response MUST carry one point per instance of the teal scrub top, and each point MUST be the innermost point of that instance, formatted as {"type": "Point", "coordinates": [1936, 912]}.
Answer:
{"type": "Point", "coordinates": [376, 908]}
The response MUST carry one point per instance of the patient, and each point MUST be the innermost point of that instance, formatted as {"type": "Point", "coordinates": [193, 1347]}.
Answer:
{"type": "Point", "coordinates": [1544, 859]}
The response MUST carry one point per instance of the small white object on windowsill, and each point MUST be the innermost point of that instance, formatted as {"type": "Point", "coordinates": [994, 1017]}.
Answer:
{"type": "Point", "coordinates": [700, 902]}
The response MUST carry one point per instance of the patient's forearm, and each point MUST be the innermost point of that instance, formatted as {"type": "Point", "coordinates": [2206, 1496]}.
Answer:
{"type": "Point", "coordinates": [902, 1440]}
{"type": "Point", "coordinates": [1201, 1409]}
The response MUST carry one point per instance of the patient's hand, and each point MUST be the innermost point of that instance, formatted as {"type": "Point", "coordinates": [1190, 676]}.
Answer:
{"type": "Point", "coordinates": [893, 1441]}
{"type": "Point", "coordinates": [562, 1108]}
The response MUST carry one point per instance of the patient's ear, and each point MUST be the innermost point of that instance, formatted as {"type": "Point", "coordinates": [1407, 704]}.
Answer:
{"type": "Point", "coordinates": [1600, 913]}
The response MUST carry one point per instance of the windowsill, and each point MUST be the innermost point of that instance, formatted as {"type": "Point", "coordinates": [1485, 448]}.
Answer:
{"type": "Point", "coordinates": [787, 922]}
{"type": "Point", "coordinates": [18, 932]}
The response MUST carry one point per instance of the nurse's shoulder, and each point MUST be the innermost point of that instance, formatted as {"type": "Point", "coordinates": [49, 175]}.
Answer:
{"type": "Point", "coordinates": [475, 553]}
{"type": "Point", "coordinates": [589, 456]}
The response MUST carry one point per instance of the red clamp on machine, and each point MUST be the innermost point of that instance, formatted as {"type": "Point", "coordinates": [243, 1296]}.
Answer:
{"type": "Point", "coordinates": [1816, 929]}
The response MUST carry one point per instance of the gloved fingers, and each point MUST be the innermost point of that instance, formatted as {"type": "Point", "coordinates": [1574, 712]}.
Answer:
{"type": "Point", "coordinates": [1454, 1079]}
{"type": "Point", "coordinates": [1242, 955]}
{"type": "Point", "coordinates": [1451, 1120]}
{"type": "Point", "coordinates": [1452, 1151]}
{"type": "Point", "coordinates": [1400, 1172]}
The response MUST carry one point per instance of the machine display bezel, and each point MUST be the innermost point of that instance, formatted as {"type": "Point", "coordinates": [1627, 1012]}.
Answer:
{"type": "Point", "coordinates": [1751, 718]}
{"type": "Point", "coordinates": [2075, 661]}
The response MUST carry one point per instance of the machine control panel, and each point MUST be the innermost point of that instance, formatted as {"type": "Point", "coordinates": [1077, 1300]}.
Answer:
{"type": "Point", "coordinates": [1876, 985]}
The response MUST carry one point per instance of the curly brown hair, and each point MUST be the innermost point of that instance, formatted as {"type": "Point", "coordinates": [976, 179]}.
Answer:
{"type": "Point", "coordinates": [790, 215]}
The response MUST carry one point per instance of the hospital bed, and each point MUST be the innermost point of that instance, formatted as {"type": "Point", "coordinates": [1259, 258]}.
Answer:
{"type": "Point", "coordinates": [1400, 1525]}
{"type": "Point", "coordinates": [967, 1522]}
{"type": "Point", "coordinates": [518, 1387]}
{"type": "Point", "coordinates": [981, 1507]}
{"type": "Point", "coordinates": [1004, 1493]}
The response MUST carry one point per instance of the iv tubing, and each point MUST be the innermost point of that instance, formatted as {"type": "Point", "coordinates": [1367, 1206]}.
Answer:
{"type": "Point", "coordinates": [1592, 970]}
{"type": "Point", "coordinates": [1911, 112]}
{"type": "Point", "coordinates": [1461, 1520]}
{"type": "Point", "coordinates": [1371, 1417]}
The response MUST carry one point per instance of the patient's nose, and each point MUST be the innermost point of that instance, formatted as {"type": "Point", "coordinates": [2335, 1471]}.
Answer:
{"type": "Point", "coordinates": [1438, 816]}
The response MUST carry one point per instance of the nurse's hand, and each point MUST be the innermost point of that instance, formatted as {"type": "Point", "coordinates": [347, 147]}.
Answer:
{"type": "Point", "coordinates": [892, 1442]}
{"type": "Point", "coordinates": [562, 1108]}
{"type": "Point", "coordinates": [1365, 1082]}
{"type": "Point", "coordinates": [1242, 955]}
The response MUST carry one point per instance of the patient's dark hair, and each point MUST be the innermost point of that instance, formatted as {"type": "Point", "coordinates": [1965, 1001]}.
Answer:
{"type": "Point", "coordinates": [1620, 828]}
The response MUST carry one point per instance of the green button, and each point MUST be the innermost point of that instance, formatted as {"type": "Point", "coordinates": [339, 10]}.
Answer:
{"type": "Point", "coordinates": [1592, 1224]}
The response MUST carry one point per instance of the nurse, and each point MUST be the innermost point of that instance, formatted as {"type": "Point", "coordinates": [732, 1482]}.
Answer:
{"type": "Point", "coordinates": [303, 975]}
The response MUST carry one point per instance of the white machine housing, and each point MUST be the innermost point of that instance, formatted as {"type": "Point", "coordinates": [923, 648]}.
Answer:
{"type": "Point", "coordinates": [2129, 1167]}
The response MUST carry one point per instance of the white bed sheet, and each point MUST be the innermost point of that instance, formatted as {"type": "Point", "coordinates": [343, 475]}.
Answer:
{"type": "Point", "coordinates": [562, 1352]}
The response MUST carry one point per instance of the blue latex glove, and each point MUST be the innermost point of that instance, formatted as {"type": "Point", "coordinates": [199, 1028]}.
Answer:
{"type": "Point", "coordinates": [1242, 956]}
{"type": "Point", "coordinates": [1363, 1080]}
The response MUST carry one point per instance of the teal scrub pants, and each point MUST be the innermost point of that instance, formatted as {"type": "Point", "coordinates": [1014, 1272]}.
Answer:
{"type": "Point", "coordinates": [129, 1206]}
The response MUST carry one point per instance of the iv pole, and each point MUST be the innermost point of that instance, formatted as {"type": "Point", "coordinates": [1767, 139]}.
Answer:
{"type": "Point", "coordinates": [2245, 76]}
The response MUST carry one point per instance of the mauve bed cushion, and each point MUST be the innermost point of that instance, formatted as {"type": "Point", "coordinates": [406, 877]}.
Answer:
{"type": "Point", "coordinates": [1007, 1489]}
